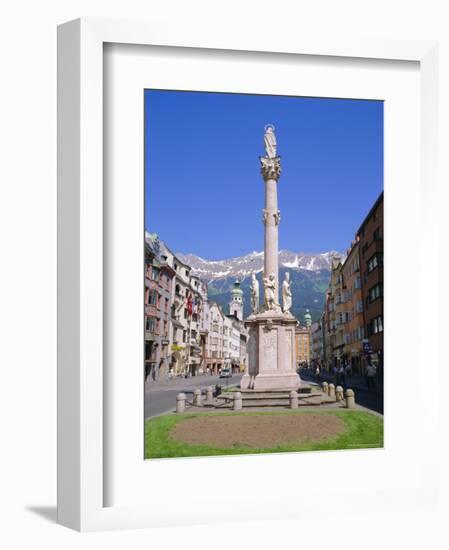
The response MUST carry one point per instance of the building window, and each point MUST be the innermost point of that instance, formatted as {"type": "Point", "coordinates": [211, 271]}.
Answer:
{"type": "Point", "coordinates": [155, 274]}
{"type": "Point", "coordinates": [150, 324]}
{"type": "Point", "coordinates": [375, 292]}
{"type": "Point", "coordinates": [377, 325]}
{"type": "Point", "coordinates": [374, 261]}
{"type": "Point", "coordinates": [152, 299]}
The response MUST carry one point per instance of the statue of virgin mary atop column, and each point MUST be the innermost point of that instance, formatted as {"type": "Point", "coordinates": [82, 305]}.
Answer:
{"type": "Point", "coordinates": [270, 141]}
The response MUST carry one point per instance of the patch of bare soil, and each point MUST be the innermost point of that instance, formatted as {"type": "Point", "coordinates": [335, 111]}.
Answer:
{"type": "Point", "coordinates": [265, 431]}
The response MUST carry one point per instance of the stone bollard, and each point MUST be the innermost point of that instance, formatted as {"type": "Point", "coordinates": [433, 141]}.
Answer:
{"type": "Point", "coordinates": [331, 391]}
{"type": "Point", "coordinates": [324, 387]}
{"type": "Point", "coordinates": [209, 394]}
{"type": "Point", "coordinates": [237, 401]}
{"type": "Point", "coordinates": [180, 402]}
{"type": "Point", "coordinates": [293, 399]}
{"type": "Point", "coordinates": [339, 393]}
{"type": "Point", "coordinates": [197, 398]}
{"type": "Point", "coordinates": [350, 399]}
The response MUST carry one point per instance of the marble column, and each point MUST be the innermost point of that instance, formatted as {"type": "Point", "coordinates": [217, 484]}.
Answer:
{"type": "Point", "coordinates": [271, 343]}
{"type": "Point", "coordinates": [271, 171]}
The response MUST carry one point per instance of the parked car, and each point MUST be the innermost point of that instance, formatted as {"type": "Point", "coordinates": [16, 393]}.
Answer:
{"type": "Point", "coordinates": [226, 373]}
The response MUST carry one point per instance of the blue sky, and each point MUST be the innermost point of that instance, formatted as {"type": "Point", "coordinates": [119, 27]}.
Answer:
{"type": "Point", "coordinates": [203, 189]}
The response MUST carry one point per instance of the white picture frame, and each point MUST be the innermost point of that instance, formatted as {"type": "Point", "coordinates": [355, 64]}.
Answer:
{"type": "Point", "coordinates": [82, 491]}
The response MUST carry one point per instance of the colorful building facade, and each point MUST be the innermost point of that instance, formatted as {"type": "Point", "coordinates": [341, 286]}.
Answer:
{"type": "Point", "coordinates": [352, 319]}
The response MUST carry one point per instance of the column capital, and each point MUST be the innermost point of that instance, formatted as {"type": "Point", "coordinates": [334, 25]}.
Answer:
{"type": "Point", "coordinates": [270, 168]}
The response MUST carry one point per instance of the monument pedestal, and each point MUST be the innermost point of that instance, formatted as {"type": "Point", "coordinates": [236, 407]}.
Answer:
{"type": "Point", "coordinates": [271, 352]}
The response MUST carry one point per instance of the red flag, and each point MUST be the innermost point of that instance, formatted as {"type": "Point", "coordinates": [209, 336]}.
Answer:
{"type": "Point", "coordinates": [189, 304]}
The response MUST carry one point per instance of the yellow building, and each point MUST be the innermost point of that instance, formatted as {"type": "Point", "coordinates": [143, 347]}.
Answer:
{"type": "Point", "coordinates": [302, 340]}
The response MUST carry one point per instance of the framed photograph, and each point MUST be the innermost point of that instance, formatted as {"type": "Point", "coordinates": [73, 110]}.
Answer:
{"type": "Point", "coordinates": [235, 219]}
{"type": "Point", "coordinates": [261, 351]}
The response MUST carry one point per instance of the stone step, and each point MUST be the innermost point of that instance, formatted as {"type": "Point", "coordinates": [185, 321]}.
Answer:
{"type": "Point", "coordinates": [312, 400]}
{"type": "Point", "coordinates": [277, 403]}
{"type": "Point", "coordinates": [273, 400]}
{"type": "Point", "coordinates": [284, 396]}
{"type": "Point", "coordinates": [302, 389]}
{"type": "Point", "coordinates": [265, 395]}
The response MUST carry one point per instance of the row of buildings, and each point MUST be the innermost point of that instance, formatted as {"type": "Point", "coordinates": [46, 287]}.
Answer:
{"type": "Point", "coordinates": [351, 326]}
{"type": "Point", "coordinates": [185, 333]}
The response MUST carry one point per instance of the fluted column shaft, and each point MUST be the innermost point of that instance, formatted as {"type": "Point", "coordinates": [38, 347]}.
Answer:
{"type": "Point", "coordinates": [271, 171]}
{"type": "Point", "coordinates": [271, 237]}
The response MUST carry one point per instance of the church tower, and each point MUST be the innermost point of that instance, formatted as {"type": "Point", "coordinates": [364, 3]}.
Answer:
{"type": "Point", "coordinates": [307, 319]}
{"type": "Point", "coordinates": [236, 303]}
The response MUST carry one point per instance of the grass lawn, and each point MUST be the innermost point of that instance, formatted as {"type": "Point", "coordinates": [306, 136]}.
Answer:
{"type": "Point", "coordinates": [362, 430]}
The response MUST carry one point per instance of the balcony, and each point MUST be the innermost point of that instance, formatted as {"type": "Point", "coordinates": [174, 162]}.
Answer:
{"type": "Point", "coordinates": [150, 335]}
{"type": "Point", "coordinates": [195, 350]}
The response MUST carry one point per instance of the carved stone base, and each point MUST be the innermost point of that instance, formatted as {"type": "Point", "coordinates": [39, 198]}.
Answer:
{"type": "Point", "coordinates": [271, 352]}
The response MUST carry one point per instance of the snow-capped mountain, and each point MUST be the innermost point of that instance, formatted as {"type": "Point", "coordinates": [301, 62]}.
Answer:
{"type": "Point", "coordinates": [309, 277]}
{"type": "Point", "coordinates": [243, 266]}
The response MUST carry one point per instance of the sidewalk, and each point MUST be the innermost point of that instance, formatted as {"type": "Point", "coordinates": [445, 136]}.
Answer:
{"type": "Point", "coordinates": [353, 382]}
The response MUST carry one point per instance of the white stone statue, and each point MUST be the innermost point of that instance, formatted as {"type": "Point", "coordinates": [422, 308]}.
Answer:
{"type": "Point", "coordinates": [270, 141]}
{"type": "Point", "coordinates": [254, 293]}
{"type": "Point", "coordinates": [286, 293]}
{"type": "Point", "coordinates": [270, 291]}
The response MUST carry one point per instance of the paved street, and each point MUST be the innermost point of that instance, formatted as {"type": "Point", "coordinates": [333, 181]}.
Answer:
{"type": "Point", "coordinates": [160, 396]}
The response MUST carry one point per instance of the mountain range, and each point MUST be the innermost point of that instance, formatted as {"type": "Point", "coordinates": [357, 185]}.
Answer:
{"type": "Point", "coordinates": [309, 277]}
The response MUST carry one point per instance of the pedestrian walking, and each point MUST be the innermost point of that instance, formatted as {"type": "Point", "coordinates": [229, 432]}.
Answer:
{"type": "Point", "coordinates": [342, 376]}
{"type": "Point", "coordinates": [147, 371]}
{"type": "Point", "coordinates": [370, 376]}
{"type": "Point", "coordinates": [348, 369]}
{"type": "Point", "coordinates": [317, 373]}
{"type": "Point", "coordinates": [336, 374]}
